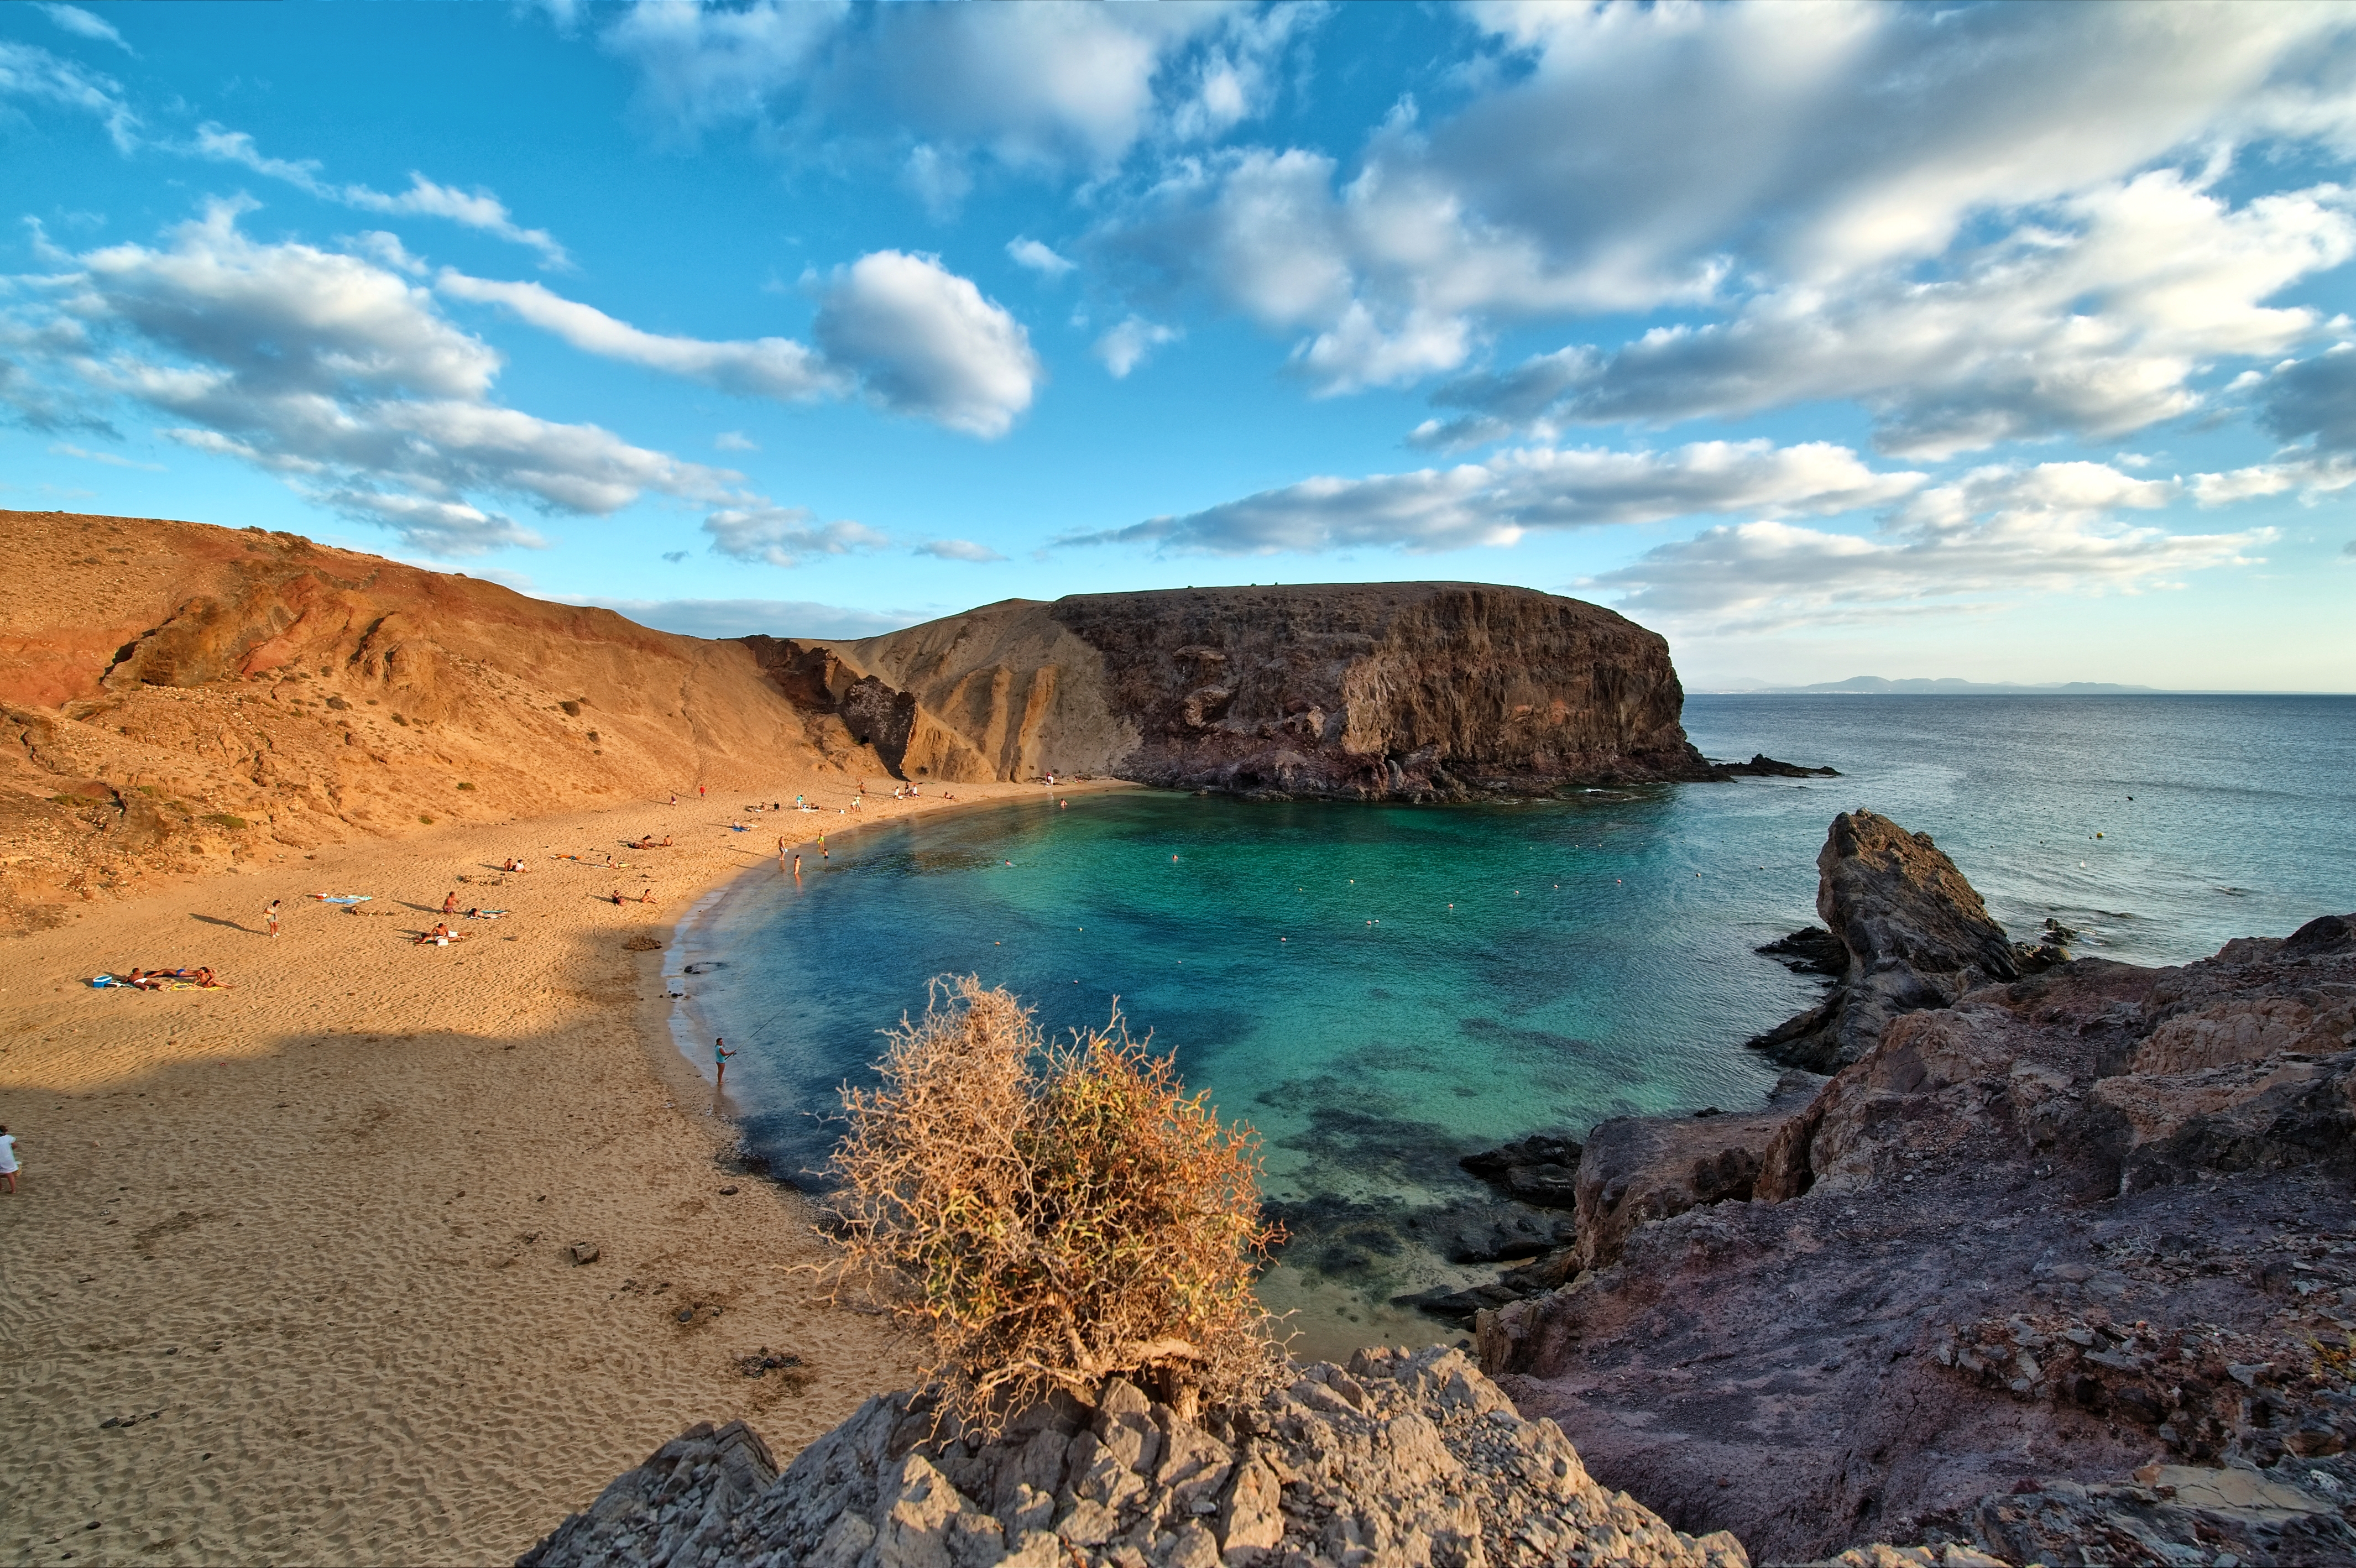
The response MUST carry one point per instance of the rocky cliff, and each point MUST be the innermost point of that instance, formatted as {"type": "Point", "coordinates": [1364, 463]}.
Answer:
{"type": "Point", "coordinates": [1415, 1461]}
{"type": "Point", "coordinates": [175, 696]}
{"type": "Point", "coordinates": [2058, 1263]}
{"type": "Point", "coordinates": [1411, 691]}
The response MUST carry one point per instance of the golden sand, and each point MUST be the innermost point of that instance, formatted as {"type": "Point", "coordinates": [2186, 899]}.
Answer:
{"type": "Point", "coordinates": [312, 1232]}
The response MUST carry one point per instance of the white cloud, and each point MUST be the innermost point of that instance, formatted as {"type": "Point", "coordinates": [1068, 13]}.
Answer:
{"type": "Point", "coordinates": [764, 367]}
{"type": "Point", "coordinates": [478, 208]}
{"type": "Point", "coordinates": [339, 376]}
{"type": "Point", "coordinates": [784, 536]}
{"type": "Point", "coordinates": [1631, 158]}
{"type": "Point", "coordinates": [1030, 86]}
{"type": "Point", "coordinates": [64, 449]}
{"type": "Point", "coordinates": [1497, 502]}
{"type": "Point", "coordinates": [923, 341]}
{"type": "Point", "coordinates": [86, 24]}
{"type": "Point", "coordinates": [2093, 323]}
{"type": "Point", "coordinates": [735, 441]}
{"type": "Point", "coordinates": [1127, 346]}
{"type": "Point", "coordinates": [772, 617]}
{"type": "Point", "coordinates": [958, 550]}
{"type": "Point", "coordinates": [1039, 258]}
{"type": "Point", "coordinates": [34, 74]}
{"type": "Point", "coordinates": [1996, 535]}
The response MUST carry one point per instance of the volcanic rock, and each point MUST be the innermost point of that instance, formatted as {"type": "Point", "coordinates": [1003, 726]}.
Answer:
{"type": "Point", "coordinates": [1540, 1170]}
{"type": "Point", "coordinates": [2051, 1232]}
{"type": "Point", "coordinates": [1915, 932]}
{"type": "Point", "coordinates": [1408, 1459]}
{"type": "Point", "coordinates": [1414, 691]}
{"type": "Point", "coordinates": [1638, 1169]}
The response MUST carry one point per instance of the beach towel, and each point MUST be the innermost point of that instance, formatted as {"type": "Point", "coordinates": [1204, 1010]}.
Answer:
{"type": "Point", "coordinates": [343, 898]}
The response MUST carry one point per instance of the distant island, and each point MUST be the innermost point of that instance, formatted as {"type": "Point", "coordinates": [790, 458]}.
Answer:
{"type": "Point", "coordinates": [1882, 686]}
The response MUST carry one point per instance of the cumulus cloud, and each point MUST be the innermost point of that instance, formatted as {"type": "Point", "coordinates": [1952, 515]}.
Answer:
{"type": "Point", "coordinates": [958, 550]}
{"type": "Point", "coordinates": [784, 536]}
{"type": "Point", "coordinates": [1495, 503]}
{"type": "Point", "coordinates": [1027, 86]}
{"type": "Point", "coordinates": [1996, 533]}
{"type": "Point", "coordinates": [477, 208]}
{"type": "Point", "coordinates": [743, 617]}
{"type": "Point", "coordinates": [31, 74]}
{"type": "Point", "coordinates": [2094, 323]}
{"type": "Point", "coordinates": [763, 368]}
{"type": "Point", "coordinates": [83, 24]}
{"type": "Point", "coordinates": [1127, 346]}
{"type": "Point", "coordinates": [339, 376]}
{"type": "Point", "coordinates": [1634, 158]}
{"type": "Point", "coordinates": [1039, 258]}
{"type": "Point", "coordinates": [923, 341]}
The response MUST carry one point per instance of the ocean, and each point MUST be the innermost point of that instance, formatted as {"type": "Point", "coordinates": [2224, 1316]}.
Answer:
{"type": "Point", "coordinates": [1378, 989]}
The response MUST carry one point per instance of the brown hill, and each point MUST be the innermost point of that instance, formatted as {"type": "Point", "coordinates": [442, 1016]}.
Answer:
{"type": "Point", "coordinates": [174, 695]}
{"type": "Point", "coordinates": [1403, 690]}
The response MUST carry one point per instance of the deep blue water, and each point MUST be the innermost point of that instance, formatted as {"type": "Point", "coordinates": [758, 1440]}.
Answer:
{"type": "Point", "coordinates": [1378, 989]}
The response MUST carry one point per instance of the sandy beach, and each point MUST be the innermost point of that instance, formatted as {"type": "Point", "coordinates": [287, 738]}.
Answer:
{"type": "Point", "coordinates": [288, 1275]}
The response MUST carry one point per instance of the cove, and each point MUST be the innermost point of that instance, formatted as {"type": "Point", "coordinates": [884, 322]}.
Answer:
{"type": "Point", "coordinates": [1380, 990]}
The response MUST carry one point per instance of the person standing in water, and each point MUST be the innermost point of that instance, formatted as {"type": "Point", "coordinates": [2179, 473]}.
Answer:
{"type": "Point", "coordinates": [821, 847]}
{"type": "Point", "coordinates": [720, 1055]}
{"type": "Point", "coordinates": [798, 867]}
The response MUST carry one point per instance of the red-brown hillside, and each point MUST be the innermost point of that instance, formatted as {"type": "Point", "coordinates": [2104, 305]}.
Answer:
{"type": "Point", "coordinates": [173, 695]}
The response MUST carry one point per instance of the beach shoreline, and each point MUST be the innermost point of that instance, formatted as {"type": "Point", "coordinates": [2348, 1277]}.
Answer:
{"type": "Point", "coordinates": [291, 1275]}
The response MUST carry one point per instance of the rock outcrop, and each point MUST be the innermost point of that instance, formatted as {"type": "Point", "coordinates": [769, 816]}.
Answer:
{"type": "Point", "coordinates": [1916, 933]}
{"type": "Point", "coordinates": [2044, 1232]}
{"type": "Point", "coordinates": [175, 696]}
{"type": "Point", "coordinates": [1408, 1459]}
{"type": "Point", "coordinates": [1404, 691]}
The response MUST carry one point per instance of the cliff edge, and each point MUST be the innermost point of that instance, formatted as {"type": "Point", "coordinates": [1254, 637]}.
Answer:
{"type": "Point", "coordinates": [1369, 691]}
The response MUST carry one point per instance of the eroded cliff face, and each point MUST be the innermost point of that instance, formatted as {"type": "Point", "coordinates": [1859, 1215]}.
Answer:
{"type": "Point", "coordinates": [175, 696]}
{"type": "Point", "coordinates": [1416, 691]}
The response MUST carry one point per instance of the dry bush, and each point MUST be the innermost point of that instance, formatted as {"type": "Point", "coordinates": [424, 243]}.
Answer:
{"type": "Point", "coordinates": [1053, 1215]}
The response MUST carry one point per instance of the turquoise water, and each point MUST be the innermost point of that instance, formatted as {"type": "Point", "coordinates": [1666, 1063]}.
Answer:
{"type": "Point", "coordinates": [1380, 988]}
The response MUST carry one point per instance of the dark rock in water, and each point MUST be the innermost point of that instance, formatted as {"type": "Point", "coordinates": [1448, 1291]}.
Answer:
{"type": "Point", "coordinates": [1762, 766]}
{"type": "Point", "coordinates": [1916, 934]}
{"type": "Point", "coordinates": [1811, 950]}
{"type": "Point", "coordinates": [1459, 1306]}
{"type": "Point", "coordinates": [1398, 1449]}
{"type": "Point", "coordinates": [1541, 1169]}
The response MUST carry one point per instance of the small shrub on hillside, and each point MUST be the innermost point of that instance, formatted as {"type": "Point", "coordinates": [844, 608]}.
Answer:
{"type": "Point", "coordinates": [1054, 1215]}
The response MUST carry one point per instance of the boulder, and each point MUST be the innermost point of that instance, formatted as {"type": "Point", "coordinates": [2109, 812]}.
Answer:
{"type": "Point", "coordinates": [1638, 1169]}
{"type": "Point", "coordinates": [1414, 1460]}
{"type": "Point", "coordinates": [1916, 933]}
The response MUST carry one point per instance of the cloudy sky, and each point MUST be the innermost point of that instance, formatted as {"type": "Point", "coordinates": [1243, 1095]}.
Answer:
{"type": "Point", "coordinates": [2011, 342]}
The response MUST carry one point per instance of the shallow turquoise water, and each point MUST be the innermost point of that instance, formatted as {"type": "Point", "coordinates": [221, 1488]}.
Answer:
{"type": "Point", "coordinates": [1379, 988]}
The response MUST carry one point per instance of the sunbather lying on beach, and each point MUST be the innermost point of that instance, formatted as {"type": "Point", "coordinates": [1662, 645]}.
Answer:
{"type": "Point", "coordinates": [484, 914]}
{"type": "Point", "coordinates": [440, 936]}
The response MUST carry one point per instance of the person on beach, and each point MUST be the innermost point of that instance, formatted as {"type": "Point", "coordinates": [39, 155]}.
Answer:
{"type": "Point", "coordinates": [674, 798]}
{"type": "Point", "coordinates": [699, 792]}
{"type": "Point", "coordinates": [646, 895]}
{"type": "Point", "coordinates": [618, 898]}
{"type": "Point", "coordinates": [720, 1055]}
{"type": "Point", "coordinates": [821, 846]}
{"type": "Point", "coordinates": [450, 904]}
{"type": "Point", "coordinates": [271, 914]}
{"type": "Point", "coordinates": [8, 1159]}
{"type": "Point", "coordinates": [439, 936]}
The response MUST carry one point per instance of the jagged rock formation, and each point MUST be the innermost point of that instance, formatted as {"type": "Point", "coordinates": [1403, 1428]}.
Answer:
{"type": "Point", "coordinates": [1416, 691]}
{"type": "Point", "coordinates": [175, 696]}
{"type": "Point", "coordinates": [1640, 1169]}
{"type": "Point", "coordinates": [1408, 1459]}
{"type": "Point", "coordinates": [2043, 1233]}
{"type": "Point", "coordinates": [1916, 936]}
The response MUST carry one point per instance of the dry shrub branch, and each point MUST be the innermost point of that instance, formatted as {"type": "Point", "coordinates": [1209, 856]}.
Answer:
{"type": "Point", "coordinates": [1053, 1215]}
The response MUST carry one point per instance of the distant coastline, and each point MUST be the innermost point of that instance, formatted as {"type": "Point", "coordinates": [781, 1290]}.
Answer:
{"type": "Point", "coordinates": [1882, 686]}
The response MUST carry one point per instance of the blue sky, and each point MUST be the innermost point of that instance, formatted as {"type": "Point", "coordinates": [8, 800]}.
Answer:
{"type": "Point", "coordinates": [2007, 342]}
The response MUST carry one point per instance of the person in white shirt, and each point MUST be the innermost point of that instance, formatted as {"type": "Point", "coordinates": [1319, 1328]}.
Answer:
{"type": "Point", "coordinates": [8, 1159]}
